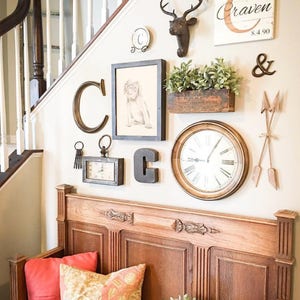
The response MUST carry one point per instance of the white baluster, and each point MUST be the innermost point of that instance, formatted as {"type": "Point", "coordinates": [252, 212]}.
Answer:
{"type": "Point", "coordinates": [27, 122]}
{"type": "Point", "coordinates": [19, 113]}
{"type": "Point", "coordinates": [49, 44]}
{"type": "Point", "coordinates": [119, 2]}
{"type": "Point", "coordinates": [104, 12]}
{"type": "Point", "coordinates": [33, 123]}
{"type": "Point", "coordinates": [61, 61]}
{"type": "Point", "coordinates": [75, 31]}
{"type": "Point", "coordinates": [3, 134]}
{"type": "Point", "coordinates": [89, 22]}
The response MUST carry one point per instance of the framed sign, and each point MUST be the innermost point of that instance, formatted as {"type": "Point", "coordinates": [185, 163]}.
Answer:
{"type": "Point", "coordinates": [239, 21]}
{"type": "Point", "coordinates": [138, 104]}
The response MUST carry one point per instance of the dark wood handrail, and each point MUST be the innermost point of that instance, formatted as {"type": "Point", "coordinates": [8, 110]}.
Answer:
{"type": "Point", "coordinates": [16, 17]}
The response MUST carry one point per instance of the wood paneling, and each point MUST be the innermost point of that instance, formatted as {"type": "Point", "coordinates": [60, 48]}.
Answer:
{"type": "Point", "coordinates": [169, 263]}
{"type": "Point", "coordinates": [247, 277]}
{"type": "Point", "coordinates": [88, 237]}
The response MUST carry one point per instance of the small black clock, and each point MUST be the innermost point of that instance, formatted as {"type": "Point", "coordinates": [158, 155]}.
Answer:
{"type": "Point", "coordinates": [103, 170]}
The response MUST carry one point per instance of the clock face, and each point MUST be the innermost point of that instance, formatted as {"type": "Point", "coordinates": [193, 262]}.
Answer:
{"type": "Point", "coordinates": [210, 160]}
{"type": "Point", "coordinates": [100, 170]}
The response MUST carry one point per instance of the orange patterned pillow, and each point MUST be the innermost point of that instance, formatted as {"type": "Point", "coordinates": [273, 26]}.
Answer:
{"type": "Point", "coordinates": [125, 284]}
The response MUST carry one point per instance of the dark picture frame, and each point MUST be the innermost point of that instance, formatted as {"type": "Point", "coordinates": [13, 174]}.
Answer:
{"type": "Point", "coordinates": [139, 100]}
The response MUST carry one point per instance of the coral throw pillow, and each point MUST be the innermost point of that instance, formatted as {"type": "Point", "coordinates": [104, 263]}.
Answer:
{"type": "Point", "coordinates": [42, 274]}
{"type": "Point", "coordinates": [125, 284]}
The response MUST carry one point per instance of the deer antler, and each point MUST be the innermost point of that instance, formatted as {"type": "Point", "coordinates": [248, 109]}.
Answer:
{"type": "Point", "coordinates": [192, 8]}
{"type": "Point", "coordinates": [162, 7]}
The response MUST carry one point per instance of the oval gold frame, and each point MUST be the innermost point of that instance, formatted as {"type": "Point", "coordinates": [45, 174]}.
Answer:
{"type": "Point", "coordinates": [76, 107]}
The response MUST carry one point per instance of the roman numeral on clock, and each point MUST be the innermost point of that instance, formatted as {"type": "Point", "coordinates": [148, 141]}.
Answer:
{"type": "Point", "coordinates": [225, 151]}
{"type": "Point", "coordinates": [228, 162]}
{"type": "Point", "coordinates": [219, 183]}
{"type": "Point", "coordinates": [190, 169]}
{"type": "Point", "coordinates": [226, 173]}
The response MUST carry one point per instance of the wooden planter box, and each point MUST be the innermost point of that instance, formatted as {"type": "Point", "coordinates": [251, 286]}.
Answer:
{"type": "Point", "coordinates": [211, 100]}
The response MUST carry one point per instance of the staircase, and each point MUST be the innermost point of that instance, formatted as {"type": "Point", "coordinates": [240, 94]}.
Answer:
{"type": "Point", "coordinates": [49, 37]}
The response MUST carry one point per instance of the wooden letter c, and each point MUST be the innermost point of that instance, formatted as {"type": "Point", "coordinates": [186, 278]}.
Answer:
{"type": "Point", "coordinates": [141, 172]}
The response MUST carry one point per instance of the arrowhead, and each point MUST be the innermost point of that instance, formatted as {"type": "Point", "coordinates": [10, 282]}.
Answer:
{"type": "Point", "coordinates": [273, 178]}
{"type": "Point", "coordinates": [256, 174]}
{"type": "Point", "coordinates": [275, 104]}
{"type": "Point", "coordinates": [265, 103]}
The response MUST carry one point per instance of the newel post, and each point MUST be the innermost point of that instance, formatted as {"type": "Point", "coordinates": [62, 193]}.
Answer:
{"type": "Point", "coordinates": [62, 191]}
{"type": "Point", "coordinates": [38, 83]}
{"type": "Point", "coordinates": [284, 257]}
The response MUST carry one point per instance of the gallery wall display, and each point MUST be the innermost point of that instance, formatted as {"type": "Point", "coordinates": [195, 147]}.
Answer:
{"type": "Point", "coordinates": [210, 159]}
{"type": "Point", "coordinates": [239, 21]}
{"type": "Point", "coordinates": [138, 100]}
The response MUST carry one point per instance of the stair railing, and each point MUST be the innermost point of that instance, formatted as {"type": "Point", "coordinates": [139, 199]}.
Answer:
{"type": "Point", "coordinates": [30, 82]}
{"type": "Point", "coordinates": [7, 24]}
{"type": "Point", "coordinates": [90, 16]}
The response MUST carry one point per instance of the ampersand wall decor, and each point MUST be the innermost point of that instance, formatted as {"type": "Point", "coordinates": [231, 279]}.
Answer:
{"type": "Point", "coordinates": [262, 66]}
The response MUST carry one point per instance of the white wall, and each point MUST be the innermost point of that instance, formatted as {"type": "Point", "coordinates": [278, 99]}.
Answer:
{"type": "Point", "coordinates": [20, 218]}
{"type": "Point", "coordinates": [57, 132]}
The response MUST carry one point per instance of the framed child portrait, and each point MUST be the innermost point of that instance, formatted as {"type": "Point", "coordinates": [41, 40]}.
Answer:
{"type": "Point", "coordinates": [139, 100]}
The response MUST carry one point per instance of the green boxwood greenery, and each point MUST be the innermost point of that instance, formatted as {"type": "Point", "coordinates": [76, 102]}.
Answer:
{"type": "Point", "coordinates": [217, 75]}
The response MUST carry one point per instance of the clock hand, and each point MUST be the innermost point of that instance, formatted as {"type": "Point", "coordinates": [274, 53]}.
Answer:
{"type": "Point", "coordinates": [213, 149]}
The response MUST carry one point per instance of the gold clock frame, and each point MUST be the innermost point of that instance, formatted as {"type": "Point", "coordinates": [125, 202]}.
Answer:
{"type": "Point", "coordinates": [239, 146]}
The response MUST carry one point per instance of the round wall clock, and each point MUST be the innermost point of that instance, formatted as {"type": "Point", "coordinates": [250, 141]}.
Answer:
{"type": "Point", "coordinates": [210, 160]}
